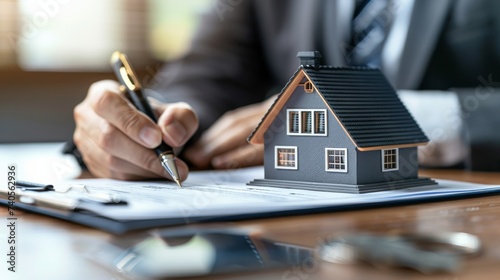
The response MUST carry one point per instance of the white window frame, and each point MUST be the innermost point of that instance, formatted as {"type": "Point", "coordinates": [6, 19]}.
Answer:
{"type": "Point", "coordinates": [383, 160]}
{"type": "Point", "coordinates": [313, 120]}
{"type": "Point", "coordinates": [327, 169]}
{"type": "Point", "coordinates": [276, 155]}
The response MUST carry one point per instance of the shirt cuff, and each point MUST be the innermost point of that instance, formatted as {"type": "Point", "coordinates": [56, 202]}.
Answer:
{"type": "Point", "coordinates": [439, 115]}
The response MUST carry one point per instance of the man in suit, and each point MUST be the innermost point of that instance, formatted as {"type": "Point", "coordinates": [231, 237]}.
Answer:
{"type": "Point", "coordinates": [244, 51]}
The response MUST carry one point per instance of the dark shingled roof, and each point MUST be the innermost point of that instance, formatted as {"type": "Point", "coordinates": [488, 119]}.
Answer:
{"type": "Point", "coordinates": [366, 105]}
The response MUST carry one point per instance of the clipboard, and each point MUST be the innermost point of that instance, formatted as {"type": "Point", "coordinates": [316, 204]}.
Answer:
{"type": "Point", "coordinates": [79, 211]}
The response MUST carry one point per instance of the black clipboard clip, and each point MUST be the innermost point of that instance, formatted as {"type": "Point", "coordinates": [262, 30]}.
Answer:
{"type": "Point", "coordinates": [68, 199]}
{"type": "Point", "coordinates": [29, 186]}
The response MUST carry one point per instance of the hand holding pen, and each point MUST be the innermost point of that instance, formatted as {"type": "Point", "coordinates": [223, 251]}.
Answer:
{"type": "Point", "coordinates": [132, 88]}
{"type": "Point", "coordinates": [116, 140]}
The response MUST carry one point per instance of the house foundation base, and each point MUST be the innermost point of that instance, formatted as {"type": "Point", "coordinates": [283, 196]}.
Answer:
{"type": "Point", "coordinates": [344, 188]}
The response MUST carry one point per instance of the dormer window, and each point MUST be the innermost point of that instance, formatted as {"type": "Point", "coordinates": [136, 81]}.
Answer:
{"type": "Point", "coordinates": [308, 87]}
{"type": "Point", "coordinates": [306, 122]}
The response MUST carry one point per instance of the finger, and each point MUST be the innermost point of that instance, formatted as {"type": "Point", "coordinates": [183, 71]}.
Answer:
{"type": "Point", "coordinates": [103, 164]}
{"type": "Point", "coordinates": [246, 117]}
{"type": "Point", "coordinates": [157, 106]}
{"type": "Point", "coordinates": [227, 133]}
{"type": "Point", "coordinates": [115, 143]}
{"type": "Point", "coordinates": [110, 146]}
{"type": "Point", "coordinates": [112, 167]}
{"type": "Point", "coordinates": [247, 155]}
{"type": "Point", "coordinates": [227, 139]}
{"type": "Point", "coordinates": [178, 122]}
{"type": "Point", "coordinates": [114, 108]}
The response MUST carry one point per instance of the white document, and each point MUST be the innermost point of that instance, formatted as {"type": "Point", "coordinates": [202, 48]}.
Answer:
{"type": "Point", "coordinates": [205, 194]}
{"type": "Point", "coordinates": [225, 193]}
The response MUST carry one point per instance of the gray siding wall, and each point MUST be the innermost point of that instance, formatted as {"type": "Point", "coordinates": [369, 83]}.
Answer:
{"type": "Point", "coordinates": [310, 149]}
{"type": "Point", "coordinates": [370, 166]}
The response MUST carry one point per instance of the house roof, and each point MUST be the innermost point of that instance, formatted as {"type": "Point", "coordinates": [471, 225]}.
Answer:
{"type": "Point", "coordinates": [363, 101]}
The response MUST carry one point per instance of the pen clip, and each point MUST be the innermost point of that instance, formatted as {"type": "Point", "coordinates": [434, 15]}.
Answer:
{"type": "Point", "coordinates": [124, 71]}
{"type": "Point", "coordinates": [126, 79]}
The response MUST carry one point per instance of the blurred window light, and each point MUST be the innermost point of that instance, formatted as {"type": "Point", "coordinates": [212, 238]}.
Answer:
{"type": "Point", "coordinates": [72, 35]}
{"type": "Point", "coordinates": [68, 34]}
{"type": "Point", "coordinates": [8, 16]}
{"type": "Point", "coordinates": [172, 24]}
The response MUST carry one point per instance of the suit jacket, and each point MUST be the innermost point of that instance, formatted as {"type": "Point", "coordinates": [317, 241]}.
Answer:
{"type": "Point", "coordinates": [246, 50]}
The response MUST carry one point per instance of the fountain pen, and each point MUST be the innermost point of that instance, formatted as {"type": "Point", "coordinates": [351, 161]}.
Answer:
{"type": "Point", "coordinates": [133, 90]}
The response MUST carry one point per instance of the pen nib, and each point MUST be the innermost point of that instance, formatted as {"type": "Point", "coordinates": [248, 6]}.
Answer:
{"type": "Point", "coordinates": [178, 182]}
{"type": "Point", "coordinates": [168, 162]}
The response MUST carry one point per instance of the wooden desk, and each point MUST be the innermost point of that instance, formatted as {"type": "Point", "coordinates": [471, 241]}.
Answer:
{"type": "Point", "coordinates": [51, 249]}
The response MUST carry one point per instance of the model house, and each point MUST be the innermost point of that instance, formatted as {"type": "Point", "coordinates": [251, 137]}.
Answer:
{"type": "Point", "coordinates": [339, 129]}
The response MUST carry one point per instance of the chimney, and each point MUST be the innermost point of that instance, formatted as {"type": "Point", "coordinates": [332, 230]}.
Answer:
{"type": "Point", "coordinates": [311, 58]}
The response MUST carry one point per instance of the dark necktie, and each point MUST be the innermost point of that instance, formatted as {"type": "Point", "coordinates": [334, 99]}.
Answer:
{"type": "Point", "coordinates": [370, 25]}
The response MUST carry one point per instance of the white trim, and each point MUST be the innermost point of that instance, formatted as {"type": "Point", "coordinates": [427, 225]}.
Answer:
{"type": "Point", "coordinates": [288, 122]}
{"type": "Point", "coordinates": [382, 160]}
{"type": "Point", "coordinates": [276, 166]}
{"type": "Point", "coordinates": [345, 160]}
{"type": "Point", "coordinates": [313, 116]}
